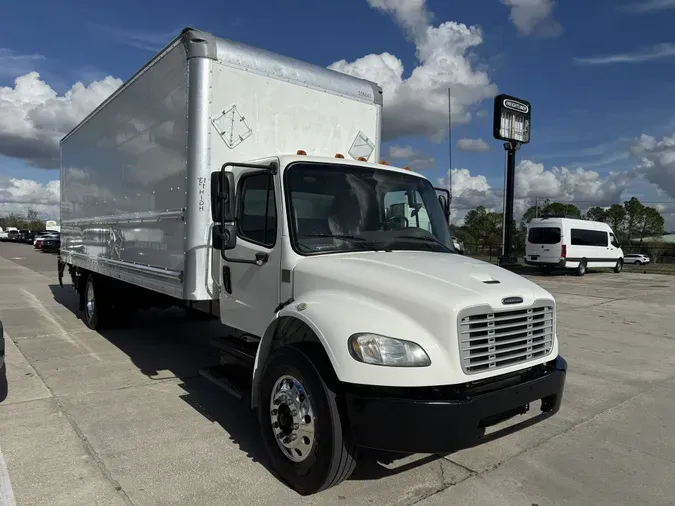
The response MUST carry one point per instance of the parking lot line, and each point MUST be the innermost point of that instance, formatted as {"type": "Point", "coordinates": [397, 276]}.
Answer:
{"type": "Point", "coordinates": [6, 492]}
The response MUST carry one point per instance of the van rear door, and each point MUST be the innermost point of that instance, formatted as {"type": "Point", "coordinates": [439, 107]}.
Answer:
{"type": "Point", "coordinates": [544, 244]}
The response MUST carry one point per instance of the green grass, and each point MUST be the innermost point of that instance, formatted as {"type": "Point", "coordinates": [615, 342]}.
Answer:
{"type": "Point", "coordinates": [651, 269]}
{"type": "Point", "coordinates": [667, 269]}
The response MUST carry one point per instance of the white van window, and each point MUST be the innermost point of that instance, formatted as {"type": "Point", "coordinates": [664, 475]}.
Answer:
{"type": "Point", "coordinates": [614, 240]}
{"type": "Point", "coordinates": [544, 235]}
{"type": "Point", "coordinates": [582, 237]}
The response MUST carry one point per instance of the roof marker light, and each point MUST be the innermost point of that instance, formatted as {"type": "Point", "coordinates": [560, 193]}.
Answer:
{"type": "Point", "coordinates": [339, 155]}
{"type": "Point", "coordinates": [362, 159]}
{"type": "Point", "coordinates": [301, 152]}
{"type": "Point", "coordinates": [406, 168]}
{"type": "Point", "coordinates": [384, 162]}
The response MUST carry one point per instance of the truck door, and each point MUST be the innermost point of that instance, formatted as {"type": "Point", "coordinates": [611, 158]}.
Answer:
{"type": "Point", "coordinates": [249, 292]}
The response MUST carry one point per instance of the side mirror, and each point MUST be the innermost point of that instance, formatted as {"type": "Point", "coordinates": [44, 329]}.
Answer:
{"type": "Point", "coordinates": [444, 201]}
{"type": "Point", "coordinates": [222, 197]}
{"type": "Point", "coordinates": [224, 236]}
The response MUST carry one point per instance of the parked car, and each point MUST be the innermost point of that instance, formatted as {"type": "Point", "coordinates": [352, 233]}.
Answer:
{"type": "Point", "coordinates": [636, 258]}
{"type": "Point", "coordinates": [39, 237]}
{"type": "Point", "coordinates": [10, 234]}
{"type": "Point", "coordinates": [51, 244]}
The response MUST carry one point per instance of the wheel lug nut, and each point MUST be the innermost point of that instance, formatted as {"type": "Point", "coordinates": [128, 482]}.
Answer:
{"type": "Point", "coordinates": [296, 426]}
{"type": "Point", "coordinates": [274, 412]}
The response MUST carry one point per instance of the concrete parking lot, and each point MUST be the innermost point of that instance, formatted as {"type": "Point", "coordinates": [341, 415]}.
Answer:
{"type": "Point", "coordinates": [124, 418]}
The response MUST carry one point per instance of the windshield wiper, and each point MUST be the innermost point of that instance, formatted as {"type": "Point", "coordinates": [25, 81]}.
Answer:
{"type": "Point", "coordinates": [425, 239]}
{"type": "Point", "coordinates": [353, 238]}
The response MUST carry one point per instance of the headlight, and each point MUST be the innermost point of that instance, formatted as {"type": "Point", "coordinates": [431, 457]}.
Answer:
{"type": "Point", "coordinates": [381, 350]}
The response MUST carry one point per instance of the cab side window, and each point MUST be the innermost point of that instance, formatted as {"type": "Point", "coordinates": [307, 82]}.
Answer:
{"type": "Point", "coordinates": [257, 220]}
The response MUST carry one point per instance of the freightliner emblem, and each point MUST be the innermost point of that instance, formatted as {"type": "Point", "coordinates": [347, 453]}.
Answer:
{"type": "Point", "coordinates": [516, 106]}
{"type": "Point", "coordinates": [512, 300]}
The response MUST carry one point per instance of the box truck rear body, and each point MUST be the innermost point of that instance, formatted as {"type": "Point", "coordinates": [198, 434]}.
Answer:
{"type": "Point", "coordinates": [135, 195]}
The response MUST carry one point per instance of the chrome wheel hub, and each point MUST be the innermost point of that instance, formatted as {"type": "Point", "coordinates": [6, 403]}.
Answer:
{"type": "Point", "coordinates": [91, 303]}
{"type": "Point", "coordinates": [293, 421]}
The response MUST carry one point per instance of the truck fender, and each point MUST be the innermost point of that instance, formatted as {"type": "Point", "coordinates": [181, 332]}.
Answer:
{"type": "Point", "coordinates": [265, 346]}
{"type": "Point", "coordinates": [324, 314]}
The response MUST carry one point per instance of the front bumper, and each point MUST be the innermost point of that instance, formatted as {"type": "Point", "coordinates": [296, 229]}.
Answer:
{"type": "Point", "coordinates": [450, 418]}
{"type": "Point", "coordinates": [546, 263]}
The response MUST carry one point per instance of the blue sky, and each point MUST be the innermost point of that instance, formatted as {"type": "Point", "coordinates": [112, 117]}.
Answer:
{"type": "Point", "coordinates": [598, 74]}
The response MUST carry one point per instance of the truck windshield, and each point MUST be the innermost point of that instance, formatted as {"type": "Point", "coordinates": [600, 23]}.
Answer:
{"type": "Point", "coordinates": [336, 208]}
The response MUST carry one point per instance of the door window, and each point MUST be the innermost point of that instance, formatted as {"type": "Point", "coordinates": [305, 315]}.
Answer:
{"type": "Point", "coordinates": [257, 219]}
{"type": "Point", "coordinates": [581, 237]}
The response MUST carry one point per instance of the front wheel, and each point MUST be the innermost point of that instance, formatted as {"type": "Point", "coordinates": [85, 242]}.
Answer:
{"type": "Point", "coordinates": [300, 424]}
{"type": "Point", "coordinates": [619, 266]}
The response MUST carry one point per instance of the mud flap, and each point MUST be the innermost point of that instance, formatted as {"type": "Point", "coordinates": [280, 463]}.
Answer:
{"type": "Point", "coordinates": [61, 267]}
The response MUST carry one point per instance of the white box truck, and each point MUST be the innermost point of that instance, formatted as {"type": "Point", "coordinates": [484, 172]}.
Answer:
{"type": "Point", "coordinates": [248, 185]}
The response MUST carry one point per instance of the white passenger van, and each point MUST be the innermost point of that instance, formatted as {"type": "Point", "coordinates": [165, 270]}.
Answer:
{"type": "Point", "coordinates": [572, 244]}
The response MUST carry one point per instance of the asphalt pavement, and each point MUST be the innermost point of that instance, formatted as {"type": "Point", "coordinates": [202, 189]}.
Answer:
{"type": "Point", "coordinates": [122, 417]}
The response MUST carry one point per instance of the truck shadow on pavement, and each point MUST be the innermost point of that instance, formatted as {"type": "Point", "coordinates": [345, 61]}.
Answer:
{"type": "Point", "coordinates": [167, 344]}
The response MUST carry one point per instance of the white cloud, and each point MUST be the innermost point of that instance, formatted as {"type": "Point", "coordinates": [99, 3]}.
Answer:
{"type": "Point", "coordinates": [12, 64]}
{"type": "Point", "coordinates": [586, 188]}
{"type": "Point", "coordinates": [648, 6]}
{"type": "Point", "coordinates": [534, 17]}
{"type": "Point", "coordinates": [418, 104]}
{"type": "Point", "coordinates": [473, 145]}
{"type": "Point", "coordinates": [414, 159]}
{"type": "Point", "coordinates": [657, 161]}
{"type": "Point", "coordinates": [412, 15]}
{"type": "Point", "coordinates": [18, 195]}
{"type": "Point", "coordinates": [33, 117]}
{"type": "Point", "coordinates": [656, 52]}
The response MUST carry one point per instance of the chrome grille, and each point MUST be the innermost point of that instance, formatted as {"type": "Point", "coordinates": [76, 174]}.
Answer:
{"type": "Point", "coordinates": [497, 339]}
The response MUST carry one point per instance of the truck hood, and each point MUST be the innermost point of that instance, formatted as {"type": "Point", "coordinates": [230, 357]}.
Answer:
{"type": "Point", "coordinates": [405, 279]}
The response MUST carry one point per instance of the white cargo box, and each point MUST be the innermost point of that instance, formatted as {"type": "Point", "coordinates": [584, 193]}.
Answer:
{"type": "Point", "coordinates": [135, 196]}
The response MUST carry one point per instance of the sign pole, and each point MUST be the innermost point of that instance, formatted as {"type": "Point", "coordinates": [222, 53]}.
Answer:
{"type": "Point", "coordinates": [509, 194]}
{"type": "Point", "coordinates": [511, 123]}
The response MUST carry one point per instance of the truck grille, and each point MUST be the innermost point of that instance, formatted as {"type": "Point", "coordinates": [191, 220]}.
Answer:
{"type": "Point", "coordinates": [497, 339]}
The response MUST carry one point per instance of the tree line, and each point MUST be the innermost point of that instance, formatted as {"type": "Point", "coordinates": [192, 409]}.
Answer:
{"type": "Point", "coordinates": [29, 222]}
{"type": "Point", "coordinates": [631, 221]}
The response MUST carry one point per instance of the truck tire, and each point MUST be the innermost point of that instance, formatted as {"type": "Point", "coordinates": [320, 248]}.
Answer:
{"type": "Point", "coordinates": [300, 424]}
{"type": "Point", "coordinates": [94, 306]}
{"type": "Point", "coordinates": [619, 266]}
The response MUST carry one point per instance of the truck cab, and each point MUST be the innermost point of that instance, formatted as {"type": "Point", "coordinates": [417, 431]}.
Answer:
{"type": "Point", "coordinates": [363, 319]}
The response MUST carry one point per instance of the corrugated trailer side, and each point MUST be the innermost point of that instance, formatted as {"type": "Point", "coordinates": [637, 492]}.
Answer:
{"type": "Point", "coordinates": [124, 173]}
